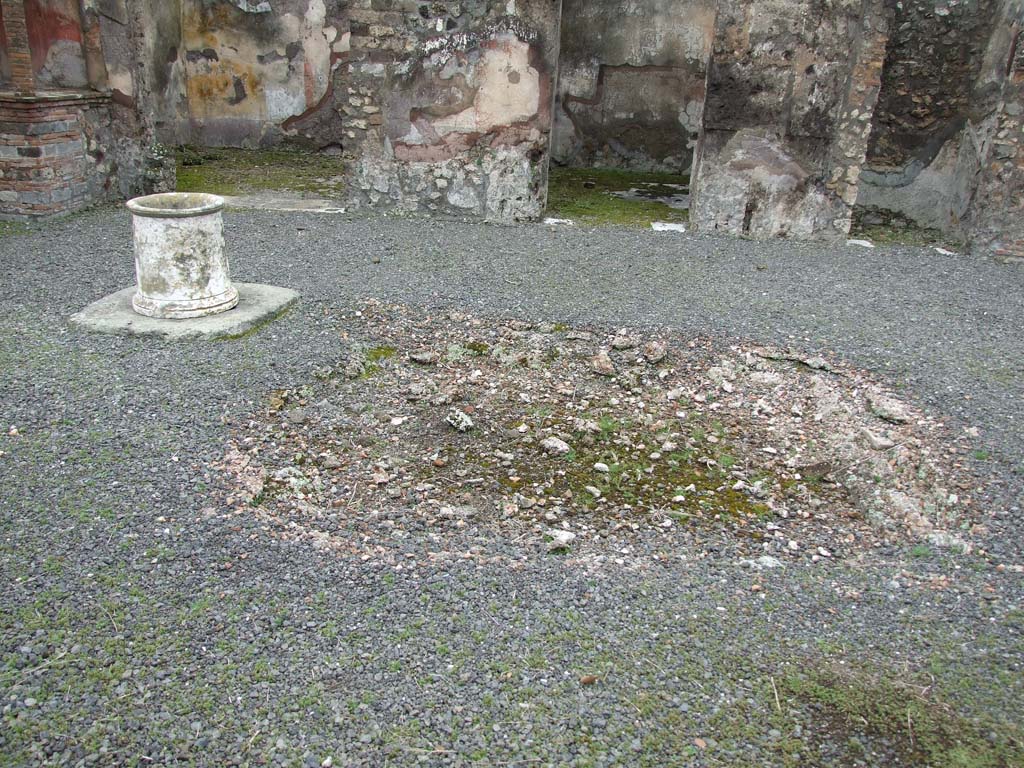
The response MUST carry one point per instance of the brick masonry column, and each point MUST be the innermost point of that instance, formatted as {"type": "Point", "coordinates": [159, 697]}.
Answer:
{"type": "Point", "coordinates": [22, 76]}
{"type": "Point", "coordinates": [53, 150]}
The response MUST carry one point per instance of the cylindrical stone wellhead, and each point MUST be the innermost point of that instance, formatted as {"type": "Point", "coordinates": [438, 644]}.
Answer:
{"type": "Point", "coordinates": [180, 264]}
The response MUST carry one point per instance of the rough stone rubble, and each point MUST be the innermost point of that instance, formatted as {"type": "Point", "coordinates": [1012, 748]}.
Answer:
{"type": "Point", "coordinates": [588, 441]}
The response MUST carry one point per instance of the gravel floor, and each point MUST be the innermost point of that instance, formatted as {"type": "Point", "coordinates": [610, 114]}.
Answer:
{"type": "Point", "coordinates": [144, 623]}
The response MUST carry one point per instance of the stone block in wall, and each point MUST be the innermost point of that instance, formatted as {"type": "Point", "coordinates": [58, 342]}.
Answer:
{"type": "Point", "coordinates": [751, 186]}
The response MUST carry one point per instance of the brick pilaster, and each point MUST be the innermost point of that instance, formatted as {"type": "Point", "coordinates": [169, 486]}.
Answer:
{"type": "Point", "coordinates": [22, 75]}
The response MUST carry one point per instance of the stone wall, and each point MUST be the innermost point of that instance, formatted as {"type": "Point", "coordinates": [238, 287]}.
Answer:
{"type": "Point", "coordinates": [62, 151]}
{"type": "Point", "coordinates": [915, 164]}
{"type": "Point", "coordinates": [449, 105]}
{"type": "Point", "coordinates": [245, 72]}
{"type": "Point", "coordinates": [631, 82]}
{"type": "Point", "coordinates": [994, 222]}
{"type": "Point", "coordinates": [932, 62]}
{"type": "Point", "coordinates": [254, 73]}
{"type": "Point", "coordinates": [791, 89]}
{"type": "Point", "coordinates": [65, 148]}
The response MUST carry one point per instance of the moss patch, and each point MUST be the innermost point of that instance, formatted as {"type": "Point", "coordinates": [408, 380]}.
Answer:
{"type": "Point", "coordinates": [924, 730]}
{"type": "Point", "coordinates": [889, 228]}
{"type": "Point", "coordinates": [229, 171]}
{"type": "Point", "coordinates": [9, 228]}
{"type": "Point", "coordinates": [378, 353]}
{"type": "Point", "coordinates": [585, 196]}
{"type": "Point", "coordinates": [684, 483]}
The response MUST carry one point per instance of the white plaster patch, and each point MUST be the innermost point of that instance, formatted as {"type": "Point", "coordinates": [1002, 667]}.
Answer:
{"type": "Point", "coordinates": [343, 44]}
{"type": "Point", "coordinates": [284, 102]}
{"type": "Point", "coordinates": [667, 226]}
{"type": "Point", "coordinates": [120, 79]}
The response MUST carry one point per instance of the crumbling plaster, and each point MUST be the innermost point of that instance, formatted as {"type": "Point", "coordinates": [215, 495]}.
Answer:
{"type": "Point", "coordinates": [450, 106]}
{"type": "Point", "coordinates": [248, 74]}
{"type": "Point", "coordinates": [55, 39]}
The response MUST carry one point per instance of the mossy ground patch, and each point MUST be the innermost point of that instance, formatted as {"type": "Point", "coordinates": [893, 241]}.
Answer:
{"type": "Point", "coordinates": [231, 171]}
{"type": "Point", "coordinates": [586, 197]}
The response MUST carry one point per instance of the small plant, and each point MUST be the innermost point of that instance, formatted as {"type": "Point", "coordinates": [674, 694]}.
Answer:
{"type": "Point", "coordinates": [608, 426]}
{"type": "Point", "coordinates": [379, 353]}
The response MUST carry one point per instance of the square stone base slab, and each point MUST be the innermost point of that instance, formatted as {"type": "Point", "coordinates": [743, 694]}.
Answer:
{"type": "Point", "coordinates": [257, 305]}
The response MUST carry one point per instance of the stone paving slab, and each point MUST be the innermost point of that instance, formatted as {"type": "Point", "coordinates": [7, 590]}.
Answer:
{"type": "Point", "coordinates": [262, 201]}
{"type": "Point", "coordinates": [257, 305]}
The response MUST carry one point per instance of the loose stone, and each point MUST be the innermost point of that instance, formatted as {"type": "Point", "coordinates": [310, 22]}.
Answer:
{"type": "Point", "coordinates": [424, 357]}
{"type": "Point", "coordinates": [654, 352]}
{"type": "Point", "coordinates": [560, 539]}
{"type": "Point", "coordinates": [555, 446]}
{"type": "Point", "coordinates": [876, 442]}
{"type": "Point", "coordinates": [888, 408]}
{"type": "Point", "coordinates": [602, 364]}
{"type": "Point", "coordinates": [459, 420]}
